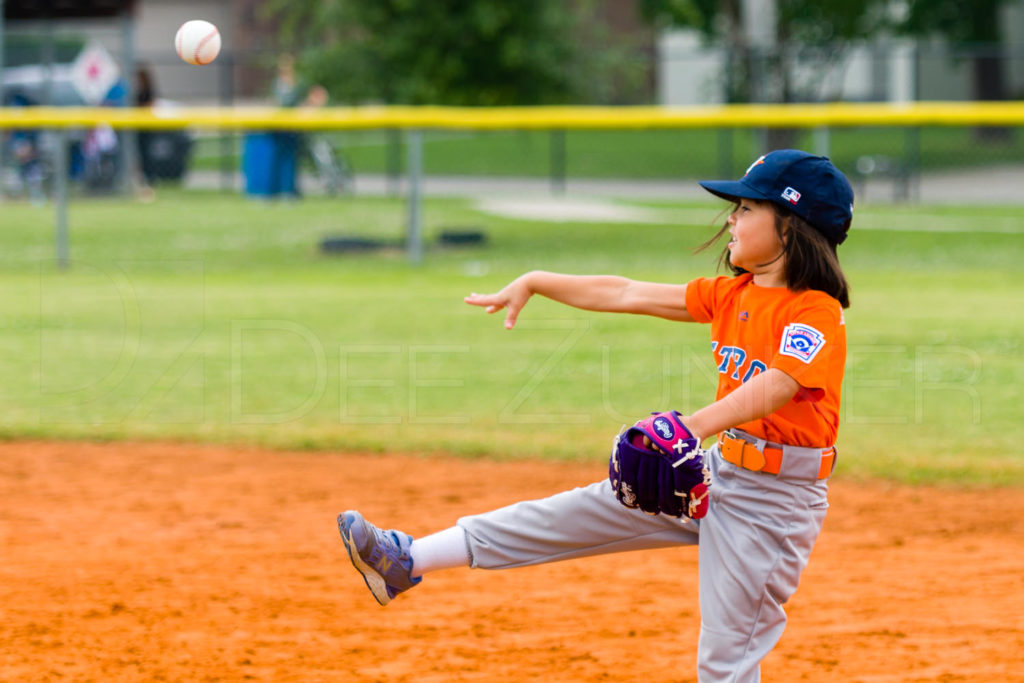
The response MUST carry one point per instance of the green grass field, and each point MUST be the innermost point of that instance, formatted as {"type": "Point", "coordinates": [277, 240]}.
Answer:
{"type": "Point", "coordinates": [212, 318]}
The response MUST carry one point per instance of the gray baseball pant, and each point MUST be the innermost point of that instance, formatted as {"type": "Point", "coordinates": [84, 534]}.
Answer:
{"type": "Point", "coordinates": [754, 542]}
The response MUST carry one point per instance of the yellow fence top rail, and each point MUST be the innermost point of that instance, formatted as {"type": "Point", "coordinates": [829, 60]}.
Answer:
{"type": "Point", "coordinates": [504, 118]}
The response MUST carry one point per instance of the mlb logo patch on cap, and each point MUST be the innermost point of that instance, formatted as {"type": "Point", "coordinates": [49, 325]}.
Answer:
{"type": "Point", "coordinates": [802, 342]}
{"type": "Point", "coordinates": [791, 195]}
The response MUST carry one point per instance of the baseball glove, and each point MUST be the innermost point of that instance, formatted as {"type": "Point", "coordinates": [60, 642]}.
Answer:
{"type": "Point", "coordinates": [657, 465]}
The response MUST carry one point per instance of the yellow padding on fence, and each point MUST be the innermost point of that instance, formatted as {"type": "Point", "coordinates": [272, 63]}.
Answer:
{"type": "Point", "coordinates": [506, 118]}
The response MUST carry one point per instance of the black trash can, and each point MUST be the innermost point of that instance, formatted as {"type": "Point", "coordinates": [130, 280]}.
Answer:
{"type": "Point", "coordinates": [164, 154]}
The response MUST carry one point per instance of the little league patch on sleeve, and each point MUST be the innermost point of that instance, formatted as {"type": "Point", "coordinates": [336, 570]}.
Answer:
{"type": "Point", "coordinates": [801, 341]}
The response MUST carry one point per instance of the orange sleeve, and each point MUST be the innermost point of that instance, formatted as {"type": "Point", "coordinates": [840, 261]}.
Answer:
{"type": "Point", "coordinates": [703, 296]}
{"type": "Point", "coordinates": [812, 339]}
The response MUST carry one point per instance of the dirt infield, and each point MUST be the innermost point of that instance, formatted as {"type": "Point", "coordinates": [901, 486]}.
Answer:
{"type": "Point", "coordinates": [170, 562]}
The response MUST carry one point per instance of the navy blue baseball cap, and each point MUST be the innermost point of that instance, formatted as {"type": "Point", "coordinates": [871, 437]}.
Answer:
{"type": "Point", "coordinates": [808, 185]}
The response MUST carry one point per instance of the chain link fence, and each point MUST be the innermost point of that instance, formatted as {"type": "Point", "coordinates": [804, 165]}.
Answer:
{"type": "Point", "coordinates": [887, 163]}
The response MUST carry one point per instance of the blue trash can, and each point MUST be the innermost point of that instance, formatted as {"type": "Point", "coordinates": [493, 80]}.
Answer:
{"type": "Point", "coordinates": [269, 164]}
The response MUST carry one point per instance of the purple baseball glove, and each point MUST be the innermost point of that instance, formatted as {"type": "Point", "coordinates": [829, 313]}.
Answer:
{"type": "Point", "coordinates": [658, 466]}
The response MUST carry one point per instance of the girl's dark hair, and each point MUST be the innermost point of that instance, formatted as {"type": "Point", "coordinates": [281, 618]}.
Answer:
{"type": "Point", "coordinates": [811, 259]}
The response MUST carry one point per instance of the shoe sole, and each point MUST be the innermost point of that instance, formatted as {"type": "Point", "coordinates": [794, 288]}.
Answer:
{"type": "Point", "coordinates": [374, 581]}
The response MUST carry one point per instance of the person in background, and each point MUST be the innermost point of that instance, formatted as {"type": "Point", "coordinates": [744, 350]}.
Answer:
{"type": "Point", "coordinates": [145, 96]}
{"type": "Point", "coordinates": [291, 91]}
{"type": "Point", "coordinates": [24, 148]}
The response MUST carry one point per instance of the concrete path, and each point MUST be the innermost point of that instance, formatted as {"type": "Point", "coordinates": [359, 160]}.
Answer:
{"type": "Point", "coordinates": [986, 186]}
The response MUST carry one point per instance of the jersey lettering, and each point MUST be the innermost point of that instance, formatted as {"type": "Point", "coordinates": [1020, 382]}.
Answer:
{"type": "Point", "coordinates": [756, 368]}
{"type": "Point", "coordinates": [736, 357]}
{"type": "Point", "coordinates": [725, 352]}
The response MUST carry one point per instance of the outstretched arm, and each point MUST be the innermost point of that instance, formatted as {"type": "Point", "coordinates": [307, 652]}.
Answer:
{"type": "Point", "coordinates": [756, 398]}
{"type": "Point", "coordinates": [605, 293]}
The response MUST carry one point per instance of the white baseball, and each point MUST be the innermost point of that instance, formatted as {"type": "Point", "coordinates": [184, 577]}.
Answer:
{"type": "Point", "coordinates": [197, 42]}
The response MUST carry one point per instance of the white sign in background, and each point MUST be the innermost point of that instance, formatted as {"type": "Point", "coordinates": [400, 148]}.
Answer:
{"type": "Point", "coordinates": [94, 72]}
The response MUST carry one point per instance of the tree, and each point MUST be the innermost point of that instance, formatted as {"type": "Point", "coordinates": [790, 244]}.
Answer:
{"type": "Point", "coordinates": [972, 24]}
{"type": "Point", "coordinates": [816, 33]}
{"type": "Point", "coordinates": [812, 33]}
{"type": "Point", "coordinates": [454, 52]}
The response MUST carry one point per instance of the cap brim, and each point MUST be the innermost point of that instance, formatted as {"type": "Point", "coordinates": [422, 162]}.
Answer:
{"type": "Point", "coordinates": [731, 189]}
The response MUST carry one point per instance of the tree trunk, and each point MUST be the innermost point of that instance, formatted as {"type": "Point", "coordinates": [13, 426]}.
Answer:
{"type": "Point", "coordinates": [990, 85]}
{"type": "Point", "coordinates": [780, 64]}
{"type": "Point", "coordinates": [989, 69]}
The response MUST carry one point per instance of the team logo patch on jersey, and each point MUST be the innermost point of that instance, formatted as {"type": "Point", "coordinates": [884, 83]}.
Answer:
{"type": "Point", "coordinates": [664, 428]}
{"type": "Point", "coordinates": [744, 315]}
{"type": "Point", "coordinates": [791, 195]}
{"type": "Point", "coordinates": [802, 342]}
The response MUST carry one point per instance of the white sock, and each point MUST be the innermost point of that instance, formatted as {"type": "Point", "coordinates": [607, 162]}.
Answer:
{"type": "Point", "coordinates": [443, 550]}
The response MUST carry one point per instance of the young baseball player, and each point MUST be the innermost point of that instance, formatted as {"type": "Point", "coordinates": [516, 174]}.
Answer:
{"type": "Point", "coordinates": [754, 502]}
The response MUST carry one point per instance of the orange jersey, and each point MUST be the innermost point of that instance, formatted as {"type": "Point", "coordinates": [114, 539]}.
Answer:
{"type": "Point", "coordinates": [801, 333]}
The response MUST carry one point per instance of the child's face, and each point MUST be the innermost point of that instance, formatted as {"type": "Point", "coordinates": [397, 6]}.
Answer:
{"type": "Point", "coordinates": [754, 245]}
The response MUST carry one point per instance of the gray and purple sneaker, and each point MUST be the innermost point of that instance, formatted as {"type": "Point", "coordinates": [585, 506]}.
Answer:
{"type": "Point", "coordinates": [381, 556]}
